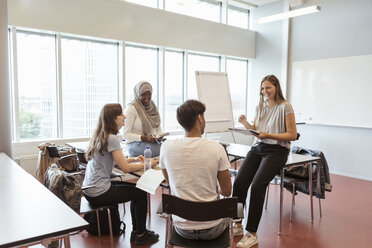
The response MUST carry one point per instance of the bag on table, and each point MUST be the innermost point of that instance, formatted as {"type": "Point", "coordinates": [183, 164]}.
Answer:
{"type": "Point", "coordinates": [116, 223]}
{"type": "Point", "coordinates": [67, 158]}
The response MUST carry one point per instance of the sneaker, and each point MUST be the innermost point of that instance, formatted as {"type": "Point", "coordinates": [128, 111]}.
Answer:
{"type": "Point", "coordinates": [134, 233]}
{"type": "Point", "coordinates": [148, 237]}
{"type": "Point", "coordinates": [247, 241]}
{"type": "Point", "coordinates": [133, 236]}
{"type": "Point", "coordinates": [238, 230]}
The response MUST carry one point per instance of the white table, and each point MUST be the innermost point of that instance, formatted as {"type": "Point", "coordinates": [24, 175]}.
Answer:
{"type": "Point", "coordinates": [294, 160]}
{"type": "Point", "coordinates": [29, 212]}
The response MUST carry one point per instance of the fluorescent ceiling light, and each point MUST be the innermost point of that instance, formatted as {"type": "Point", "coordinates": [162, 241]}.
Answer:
{"type": "Point", "coordinates": [288, 14]}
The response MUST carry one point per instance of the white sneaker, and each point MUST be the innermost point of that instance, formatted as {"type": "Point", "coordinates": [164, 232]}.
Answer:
{"type": "Point", "coordinates": [238, 230]}
{"type": "Point", "coordinates": [247, 241]}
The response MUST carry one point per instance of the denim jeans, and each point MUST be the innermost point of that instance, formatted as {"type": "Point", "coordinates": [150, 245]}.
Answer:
{"type": "Point", "coordinates": [137, 148]}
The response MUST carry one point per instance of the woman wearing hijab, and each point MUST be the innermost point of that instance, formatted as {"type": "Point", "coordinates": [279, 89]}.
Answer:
{"type": "Point", "coordinates": [142, 123]}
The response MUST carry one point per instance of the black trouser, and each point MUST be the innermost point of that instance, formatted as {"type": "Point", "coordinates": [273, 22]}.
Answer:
{"type": "Point", "coordinates": [259, 167]}
{"type": "Point", "coordinates": [120, 192]}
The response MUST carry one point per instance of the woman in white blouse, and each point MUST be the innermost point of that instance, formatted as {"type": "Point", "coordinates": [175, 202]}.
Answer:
{"type": "Point", "coordinates": [143, 122]}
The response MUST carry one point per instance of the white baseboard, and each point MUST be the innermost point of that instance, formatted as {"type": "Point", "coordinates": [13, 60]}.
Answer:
{"type": "Point", "coordinates": [351, 175]}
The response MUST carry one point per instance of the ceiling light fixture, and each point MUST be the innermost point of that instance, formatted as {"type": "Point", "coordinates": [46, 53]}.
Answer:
{"type": "Point", "coordinates": [288, 14]}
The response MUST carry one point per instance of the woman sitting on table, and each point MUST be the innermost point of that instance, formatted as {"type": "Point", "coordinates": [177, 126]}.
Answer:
{"type": "Point", "coordinates": [103, 152]}
{"type": "Point", "coordinates": [143, 122]}
{"type": "Point", "coordinates": [275, 122]}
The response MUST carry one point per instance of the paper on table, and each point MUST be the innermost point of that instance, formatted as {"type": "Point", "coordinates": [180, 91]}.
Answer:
{"type": "Point", "coordinates": [150, 180]}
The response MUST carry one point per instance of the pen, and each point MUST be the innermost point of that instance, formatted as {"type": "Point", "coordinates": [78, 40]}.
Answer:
{"type": "Point", "coordinates": [157, 141]}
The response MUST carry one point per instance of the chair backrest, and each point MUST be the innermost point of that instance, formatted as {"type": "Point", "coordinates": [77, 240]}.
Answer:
{"type": "Point", "coordinates": [200, 211]}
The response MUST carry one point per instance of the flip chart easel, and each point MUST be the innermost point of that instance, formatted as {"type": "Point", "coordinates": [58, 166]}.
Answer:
{"type": "Point", "coordinates": [213, 91]}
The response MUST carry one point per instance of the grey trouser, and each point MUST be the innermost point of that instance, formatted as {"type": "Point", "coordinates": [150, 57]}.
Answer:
{"type": "Point", "coordinates": [137, 148]}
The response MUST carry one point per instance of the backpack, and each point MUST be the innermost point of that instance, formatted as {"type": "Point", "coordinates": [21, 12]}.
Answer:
{"type": "Point", "coordinates": [116, 223]}
{"type": "Point", "coordinates": [64, 186]}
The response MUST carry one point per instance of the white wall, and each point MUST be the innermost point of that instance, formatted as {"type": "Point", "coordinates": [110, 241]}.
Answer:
{"type": "Point", "coordinates": [114, 19]}
{"type": "Point", "coordinates": [5, 104]}
{"type": "Point", "coordinates": [269, 52]}
{"type": "Point", "coordinates": [341, 29]}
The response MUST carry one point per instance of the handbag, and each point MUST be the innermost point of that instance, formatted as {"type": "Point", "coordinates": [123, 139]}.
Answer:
{"type": "Point", "coordinates": [69, 162]}
{"type": "Point", "coordinates": [64, 186]}
{"type": "Point", "coordinates": [59, 151]}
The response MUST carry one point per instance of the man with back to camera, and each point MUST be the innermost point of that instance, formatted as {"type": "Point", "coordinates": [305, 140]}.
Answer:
{"type": "Point", "coordinates": [194, 167]}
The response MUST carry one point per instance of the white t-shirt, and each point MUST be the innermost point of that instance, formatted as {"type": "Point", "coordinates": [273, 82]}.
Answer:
{"type": "Point", "coordinates": [132, 129]}
{"type": "Point", "coordinates": [192, 165]}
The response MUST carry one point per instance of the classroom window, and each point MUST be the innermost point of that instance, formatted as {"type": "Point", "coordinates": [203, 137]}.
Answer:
{"type": "Point", "coordinates": [173, 89]}
{"type": "Point", "coordinates": [204, 9]}
{"type": "Point", "coordinates": [238, 17]}
{"type": "Point", "coordinates": [199, 62]}
{"type": "Point", "coordinates": [89, 80]}
{"type": "Point", "coordinates": [141, 64]}
{"type": "Point", "coordinates": [61, 97]}
{"type": "Point", "coordinates": [237, 75]}
{"type": "Point", "coordinates": [37, 93]}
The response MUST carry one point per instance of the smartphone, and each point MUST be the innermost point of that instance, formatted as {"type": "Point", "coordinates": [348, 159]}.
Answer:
{"type": "Point", "coordinates": [254, 132]}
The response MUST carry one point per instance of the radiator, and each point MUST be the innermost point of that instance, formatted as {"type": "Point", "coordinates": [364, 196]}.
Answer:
{"type": "Point", "coordinates": [28, 163]}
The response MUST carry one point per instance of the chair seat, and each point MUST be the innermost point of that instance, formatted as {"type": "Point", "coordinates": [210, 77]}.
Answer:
{"type": "Point", "coordinates": [221, 241]}
{"type": "Point", "coordinates": [86, 207]}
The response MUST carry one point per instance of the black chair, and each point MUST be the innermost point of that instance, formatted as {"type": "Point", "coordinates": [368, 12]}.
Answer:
{"type": "Point", "coordinates": [198, 211]}
{"type": "Point", "coordinates": [86, 207]}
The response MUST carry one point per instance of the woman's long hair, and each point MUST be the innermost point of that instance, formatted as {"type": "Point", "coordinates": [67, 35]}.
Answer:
{"type": "Point", "coordinates": [106, 126]}
{"type": "Point", "coordinates": [279, 98]}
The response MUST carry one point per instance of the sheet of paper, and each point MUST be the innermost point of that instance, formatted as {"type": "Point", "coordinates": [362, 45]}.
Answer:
{"type": "Point", "coordinates": [150, 180]}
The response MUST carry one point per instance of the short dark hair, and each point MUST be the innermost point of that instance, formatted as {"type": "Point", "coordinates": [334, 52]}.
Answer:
{"type": "Point", "coordinates": [188, 112]}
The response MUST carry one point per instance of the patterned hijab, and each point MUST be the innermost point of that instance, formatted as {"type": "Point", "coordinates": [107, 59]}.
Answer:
{"type": "Point", "coordinates": [149, 114]}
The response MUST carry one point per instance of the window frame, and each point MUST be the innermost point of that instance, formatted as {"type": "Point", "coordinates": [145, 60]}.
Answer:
{"type": "Point", "coordinates": [246, 80]}
{"type": "Point", "coordinates": [121, 83]}
{"type": "Point", "coordinates": [15, 81]}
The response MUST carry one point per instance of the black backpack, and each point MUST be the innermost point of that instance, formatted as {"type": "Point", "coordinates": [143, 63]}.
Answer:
{"type": "Point", "coordinates": [117, 224]}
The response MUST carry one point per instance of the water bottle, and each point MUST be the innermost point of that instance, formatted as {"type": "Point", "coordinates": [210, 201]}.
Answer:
{"type": "Point", "coordinates": [122, 145]}
{"type": "Point", "coordinates": [147, 154]}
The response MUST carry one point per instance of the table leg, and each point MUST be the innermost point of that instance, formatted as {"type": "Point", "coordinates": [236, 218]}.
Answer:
{"type": "Point", "coordinates": [149, 203]}
{"type": "Point", "coordinates": [281, 200]}
{"type": "Point", "coordinates": [311, 191]}
{"type": "Point", "coordinates": [67, 241]}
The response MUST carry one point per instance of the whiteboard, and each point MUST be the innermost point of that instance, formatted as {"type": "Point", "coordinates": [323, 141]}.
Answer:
{"type": "Point", "coordinates": [336, 91]}
{"type": "Point", "coordinates": [213, 91]}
